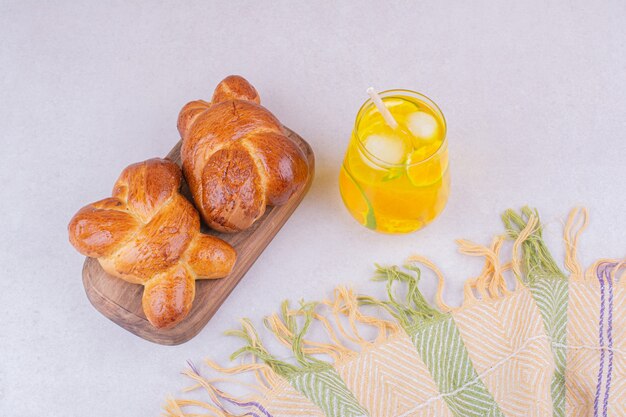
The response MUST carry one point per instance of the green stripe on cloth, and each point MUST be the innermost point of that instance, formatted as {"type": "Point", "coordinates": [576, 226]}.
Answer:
{"type": "Point", "coordinates": [443, 351]}
{"type": "Point", "coordinates": [328, 391]}
{"type": "Point", "coordinates": [315, 379]}
{"type": "Point", "coordinates": [439, 345]}
{"type": "Point", "coordinates": [551, 295]}
{"type": "Point", "coordinates": [549, 287]}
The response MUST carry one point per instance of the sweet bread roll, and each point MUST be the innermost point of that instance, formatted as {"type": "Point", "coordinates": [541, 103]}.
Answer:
{"type": "Point", "coordinates": [148, 233]}
{"type": "Point", "coordinates": [237, 157]}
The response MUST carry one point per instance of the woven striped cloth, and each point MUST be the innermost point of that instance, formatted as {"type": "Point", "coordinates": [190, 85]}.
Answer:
{"type": "Point", "coordinates": [549, 343]}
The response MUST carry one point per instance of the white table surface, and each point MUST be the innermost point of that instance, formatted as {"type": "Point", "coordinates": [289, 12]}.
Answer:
{"type": "Point", "coordinates": [534, 93]}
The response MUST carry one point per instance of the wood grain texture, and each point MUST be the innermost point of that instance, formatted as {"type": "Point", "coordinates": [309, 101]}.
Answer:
{"type": "Point", "coordinates": [120, 301]}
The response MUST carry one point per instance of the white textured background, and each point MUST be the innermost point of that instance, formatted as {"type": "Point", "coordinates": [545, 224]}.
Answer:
{"type": "Point", "coordinates": [534, 93]}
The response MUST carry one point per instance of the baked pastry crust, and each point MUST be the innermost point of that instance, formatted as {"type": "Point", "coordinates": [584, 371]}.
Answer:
{"type": "Point", "coordinates": [148, 233]}
{"type": "Point", "coordinates": [237, 157]}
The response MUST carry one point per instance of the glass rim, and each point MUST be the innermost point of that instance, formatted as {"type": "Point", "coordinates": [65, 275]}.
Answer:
{"type": "Point", "coordinates": [387, 93]}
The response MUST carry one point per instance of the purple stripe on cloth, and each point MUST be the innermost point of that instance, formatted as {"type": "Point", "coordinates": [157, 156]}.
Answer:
{"type": "Point", "coordinates": [596, 400]}
{"type": "Point", "coordinates": [193, 367]}
{"type": "Point", "coordinates": [246, 404]}
{"type": "Point", "coordinates": [249, 404]}
{"type": "Point", "coordinates": [603, 272]}
{"type": "Point", "coordinates": [609, 336]}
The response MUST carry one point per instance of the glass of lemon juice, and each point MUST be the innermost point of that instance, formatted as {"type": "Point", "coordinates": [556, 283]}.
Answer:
{"type": "Point", "coordinates": [395, 178]}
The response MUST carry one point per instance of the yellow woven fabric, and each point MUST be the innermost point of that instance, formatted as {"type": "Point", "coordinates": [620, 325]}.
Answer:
{"type": "Point", "coordinates": [545, 344]}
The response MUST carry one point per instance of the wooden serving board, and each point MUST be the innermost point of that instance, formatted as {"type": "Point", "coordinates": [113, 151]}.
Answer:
{"type": "Point", "coordinates": [120, 301]}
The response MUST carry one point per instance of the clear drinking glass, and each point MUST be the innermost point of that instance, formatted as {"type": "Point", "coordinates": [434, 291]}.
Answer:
{"type": "Point", "coordinates": [395, 183]}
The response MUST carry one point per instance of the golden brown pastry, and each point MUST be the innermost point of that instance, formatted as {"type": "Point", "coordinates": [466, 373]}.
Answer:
{"type": "Point", "coordinates": [237, 157]}
{"type": "Point", "coordinates": [148, 233]}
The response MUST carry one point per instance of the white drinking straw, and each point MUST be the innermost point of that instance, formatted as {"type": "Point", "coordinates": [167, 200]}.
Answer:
{"type": "Point", "coordinates": [382, 108]}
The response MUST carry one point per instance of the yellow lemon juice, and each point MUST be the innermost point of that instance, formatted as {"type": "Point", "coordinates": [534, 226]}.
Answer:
{"type": "Point", "coordinates": [397, 180]}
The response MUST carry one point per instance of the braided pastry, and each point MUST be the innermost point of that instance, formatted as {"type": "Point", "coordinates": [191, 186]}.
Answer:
{"type": "Point", "coordinates": [237, 157]}
{"type": "Point", "coordinates": [148, 233]}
